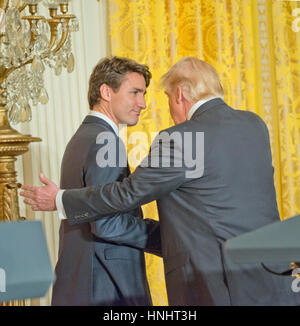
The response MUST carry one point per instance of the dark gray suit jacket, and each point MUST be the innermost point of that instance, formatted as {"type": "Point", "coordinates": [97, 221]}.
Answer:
{"type": "Point", "coordinates": [101, 263]}
{"type": "Point", "coordinates": [234, 194]}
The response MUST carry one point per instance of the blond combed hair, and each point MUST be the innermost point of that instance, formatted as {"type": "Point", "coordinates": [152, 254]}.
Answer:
{"type": "Point", "coordinates": [198, 79]}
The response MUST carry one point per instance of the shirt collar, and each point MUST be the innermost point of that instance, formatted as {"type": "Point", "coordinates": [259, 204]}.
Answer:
{"type": "Point", "coordinates": [196, 106]}
{"type": "Point", "coordinates": [105, 118]}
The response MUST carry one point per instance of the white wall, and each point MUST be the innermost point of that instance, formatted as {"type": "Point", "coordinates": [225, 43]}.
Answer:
{"type": "Point", "coordinates": [56, 122]}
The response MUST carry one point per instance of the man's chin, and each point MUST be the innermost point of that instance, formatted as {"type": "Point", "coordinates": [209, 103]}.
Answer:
{"type": "Point", "coordinates": [132, 123]}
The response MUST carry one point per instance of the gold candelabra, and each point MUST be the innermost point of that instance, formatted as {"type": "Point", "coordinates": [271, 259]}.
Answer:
{"type": "Point", "coordinates": [28, 42]}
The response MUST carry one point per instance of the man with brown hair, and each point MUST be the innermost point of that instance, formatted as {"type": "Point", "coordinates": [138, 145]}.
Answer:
{"type": "Point", "coordinates": [228, 191]}
{"type": "Point", "coordinates": [102, 262]}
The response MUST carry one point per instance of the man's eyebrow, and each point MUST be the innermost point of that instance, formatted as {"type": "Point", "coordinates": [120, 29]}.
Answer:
{"type": "Point", "coordinates": [140, 90]}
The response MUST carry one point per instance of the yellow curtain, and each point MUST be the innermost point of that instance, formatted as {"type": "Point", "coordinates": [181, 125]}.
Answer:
{"type": "Point", "coordinates": [255, 47]}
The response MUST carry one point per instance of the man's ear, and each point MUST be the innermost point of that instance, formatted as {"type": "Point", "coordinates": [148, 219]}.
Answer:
{"type": "Point", "coordinates": [179, 94]}
{"type": "Point", "coordinates": [105, 92]}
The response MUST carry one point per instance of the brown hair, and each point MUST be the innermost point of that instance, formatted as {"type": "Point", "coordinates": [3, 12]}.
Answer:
{"type": "Point", "coordinates": [112, 71]}
{"type": "Point", "coordinates": [198, 79]}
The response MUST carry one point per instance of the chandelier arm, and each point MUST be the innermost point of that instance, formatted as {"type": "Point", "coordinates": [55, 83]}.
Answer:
{"type": "Point", "coordinates": [64, 19]}
{"type": "Point", "coordinates": [2, 5]}
{"type": "Point", "coordinates": [21, 8]}
{"type": "Point", "coordinates": [31, 19]}
{"type": "Point", "coordinates": [53, 30]}
{"type": "Point", "coordinates": [64, 36]}
{"type": "Point", "coordinates": [7, 72]}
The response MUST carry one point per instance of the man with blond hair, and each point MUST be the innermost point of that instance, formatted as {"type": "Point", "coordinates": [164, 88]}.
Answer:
{"type": "Point", "coordinates": [212, 183]}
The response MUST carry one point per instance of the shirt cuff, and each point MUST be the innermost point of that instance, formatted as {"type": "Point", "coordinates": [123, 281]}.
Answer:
{"type": "Point", "coordinates": [59, 205]}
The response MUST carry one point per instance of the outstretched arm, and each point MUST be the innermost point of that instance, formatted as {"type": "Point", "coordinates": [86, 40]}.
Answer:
{"type": "Point", "coordinates": [161, 172]}
{"type": "Point", "coordinates": [141, 187]}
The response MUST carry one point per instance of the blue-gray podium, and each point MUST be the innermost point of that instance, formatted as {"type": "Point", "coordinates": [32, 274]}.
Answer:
{"type": "Point", "coordinates": [25, 267]}
{"type": "Point", "coordinates": [278, 242]}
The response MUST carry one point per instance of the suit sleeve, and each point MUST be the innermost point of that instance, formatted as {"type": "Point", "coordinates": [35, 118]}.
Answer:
{"type": "Point", "coordinates": [127, 228]}
{"type": "Point", "coordinates": [160, 173]}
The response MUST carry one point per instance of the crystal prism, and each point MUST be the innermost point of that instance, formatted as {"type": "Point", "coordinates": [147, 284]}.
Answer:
{"type": "Point", "coordinates": [13, 115]}
{"type": "Point", "coordinates": [23, 115]}
{"type": "Point", "coordinates": [37, 65]}
{"type": "Point", "coordinates": [43, 96]}
{"type": "Point", "coordinates": [28, 112]}
{"type": "Point", "coordinates": [58, 68]}
{"type": "Point", "coordinates": [70, 63]}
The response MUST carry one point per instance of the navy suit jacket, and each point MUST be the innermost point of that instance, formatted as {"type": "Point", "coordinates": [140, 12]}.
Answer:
{"type": "Point", "coordinates": [102, 262]}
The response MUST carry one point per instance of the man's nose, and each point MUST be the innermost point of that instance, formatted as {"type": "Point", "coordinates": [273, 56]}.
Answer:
{"type": "Point", "coordinates": [142, 103]}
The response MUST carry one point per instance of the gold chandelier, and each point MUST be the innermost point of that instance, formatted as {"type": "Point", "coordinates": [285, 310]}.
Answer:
{"type": "Point", "coordinates": [28, 43]}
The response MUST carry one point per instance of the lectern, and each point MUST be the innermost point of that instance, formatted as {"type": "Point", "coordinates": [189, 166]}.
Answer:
{"type": "Point", "coordinates": [25, 267]}
{"type": "Point", "coordinates": [278, 242]}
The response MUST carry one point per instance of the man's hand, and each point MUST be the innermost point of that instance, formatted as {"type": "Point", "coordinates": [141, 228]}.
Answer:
{"type": "Point", "coordinates": [41, 198]}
